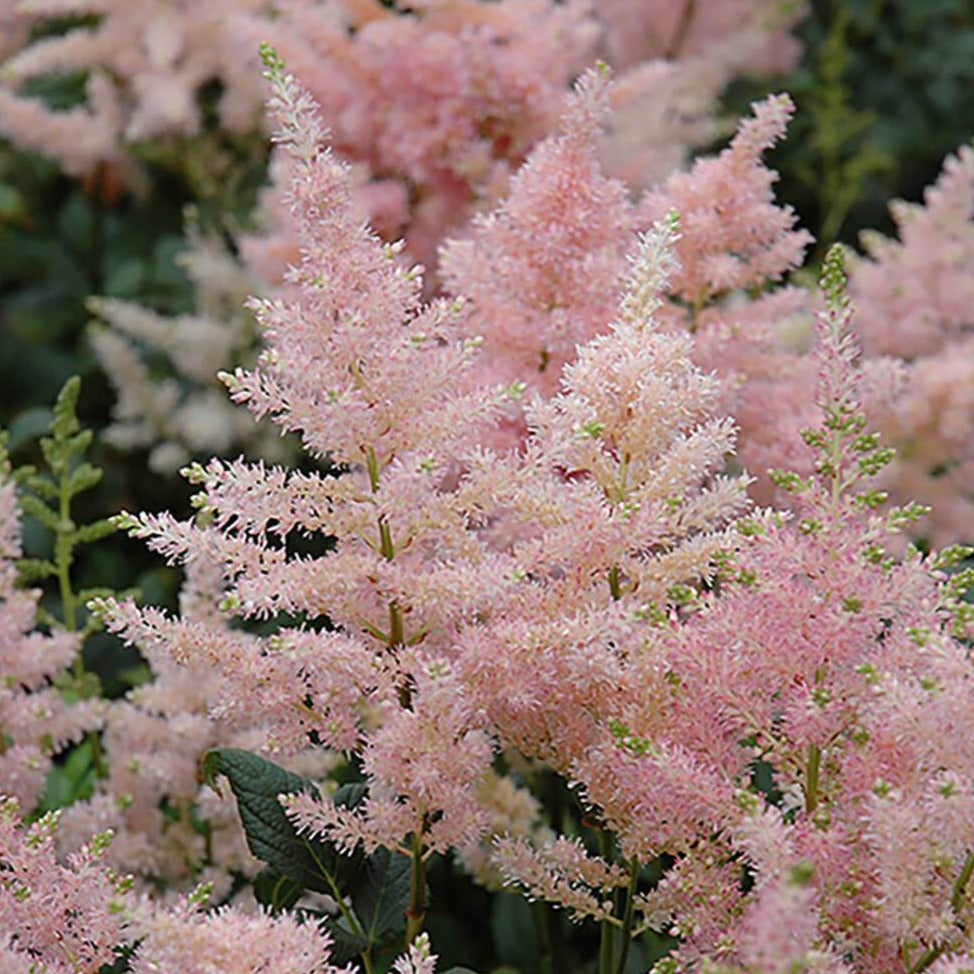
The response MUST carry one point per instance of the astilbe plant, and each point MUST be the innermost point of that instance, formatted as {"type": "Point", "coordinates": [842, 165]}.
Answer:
{"type": "Point", "coordinates": [366, 376]}
{"type": "Point", "coordinates": [915, 297]}
{"type": "Point", "coordinates": [840, 676]}
{"type": "Point", "coordinates": [445, 562]}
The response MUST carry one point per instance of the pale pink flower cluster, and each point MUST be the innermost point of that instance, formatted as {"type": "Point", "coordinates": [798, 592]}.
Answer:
{"type": "Point", "coordinates": [438, 110]}
{"type": "Point", "coordinates": [171, 831]}
{"type": "Point", "coordinates": [57, 917]}
{"type": "Point", "coordinates": [185, 413]}
{"type": "Point", "coordinates": [916, 296]}
{"type": "Point", "coordinates": [75, 915]}
{"type": "Point", "coordinates": [36, 721]}
{"type": "Point", "coordinates": [542, 270]}
{"type": "Point", "coordinates": [147, 61]}
{"type": "Point", "coordinates": [476, 557]}
{"type": "Point", "coordinates": [188, 940]}
{"type": "Point", "coordinates": [837, 668]}
{"type": "Point", "coordinates": [756, 31]}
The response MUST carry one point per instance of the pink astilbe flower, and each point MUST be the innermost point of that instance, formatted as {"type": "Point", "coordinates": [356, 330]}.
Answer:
{"type": "Point", "coordinates": [561, 872]}
{"type": "Point", "coordinates": [171, 831]}
{"type": "Point", "coordinates": [58, 917]}
{"type": "Point", "coordinates": [36, 722]}
{"type": "Point", "coordinates": [367, 375]}
{"type": "Point", "coordinates": [737, 239]}
{"type": "Point", "coordinates": [436, 105]}
{"type": "Point", "coordinates": [149, 60]}
{"type": "Point", "coordinates": [418, 959]}
{"type": "Point", "coordinates": [185, 939]}
{"type": "Point", "coordinates": [612, 507]}
{"type": "Point", "coordinates": [915, 297]}
{"type": "Point", "coordinates": [756, 30]}
{"type": "Point", "coordinates": [543, 269]}
{"type": "Point", "coordinates": [183, 412]}
{"type": "Point", "coordinates": [422, 764]}
{"type": "Point", "coordinates": [837, 667]}
{"type": "Point", "coordinates": [734, 236]}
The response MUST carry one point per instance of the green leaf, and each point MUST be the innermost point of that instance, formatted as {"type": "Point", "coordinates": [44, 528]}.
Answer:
{"type": "Point", "coordinates": [346, 945]}
{"type": "Point", "coordinates": [275, 891]}
{"type": "Point", "coordinates": [380, 894]}
{"type": "Point", "coordinates": [272, 838]}
{"type": "Point", "coordinates": [515, 935]}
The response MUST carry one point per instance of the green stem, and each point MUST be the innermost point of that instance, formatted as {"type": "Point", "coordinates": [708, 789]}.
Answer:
{"type": "Point", "coordinates": [416, 913]}
{"type": "Point", "coordinates": [339, 897]}
{"type": "Point", "coordinates": [64, 555]}
{"type": "Point", "coordinates": [615, 583]}
{"type": "Point", "coordinates": [607, 943]}
{"type": "Point", "coordinates": [545, 946]}
{"type": "Point", "coordinates": [812, 777]}
{"type": "Point", "coordinates": [628, 917]}
{"type": "Point", "coordinates": [927, 959]}
{"type": "Point", "coordinates": [956, 901]}
{"type": "Point", "coordinates": [957, 896]}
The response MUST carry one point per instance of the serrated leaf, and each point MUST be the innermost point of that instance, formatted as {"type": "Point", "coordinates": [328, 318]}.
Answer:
{"type": "Point", "coordinates": [271, 836]}
{"type": "Point", "coordinates": [380, 894]}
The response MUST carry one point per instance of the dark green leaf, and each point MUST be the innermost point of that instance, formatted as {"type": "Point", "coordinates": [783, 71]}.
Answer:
{"type": "Point", "coordinates": [380, 894]}
{"type": "Point", "coordinates": [256, 783]}
{"type": "Point", "coordinates": [275, 891]}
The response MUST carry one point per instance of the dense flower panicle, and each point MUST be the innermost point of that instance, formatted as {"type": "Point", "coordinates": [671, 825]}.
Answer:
{"type": "Point", "coordinates": [542, 270]}
{"type": "Point", "coordinates": [149, 60]}
{"type": "Point", "coordinates": [423, 763]}
{"type": "Point", "coordinates": [35, 720]}
{"type": "Point", "coordinates": [641, 29]}
{"type": "Point", "coordinates": [59, 917]}
{"type": "Point", "coordinates": [354, 362]}
{"type": "Point", "coordinates": [611, 508]}
{"type": "Point", "coordinates": [436, 108]}
{"type": "Point", "coordinates": [915, 296]}
{"type": "Point", "coordinates": [736, 238]}
{"type": "Point", "coordinates": [733, 234]}
{"type": "Point", "coordinates": [634, 436]}
{"type": "Point", "coordinates": [914, 293]}
{"type": "Point", "coordinates": [187, 939]}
